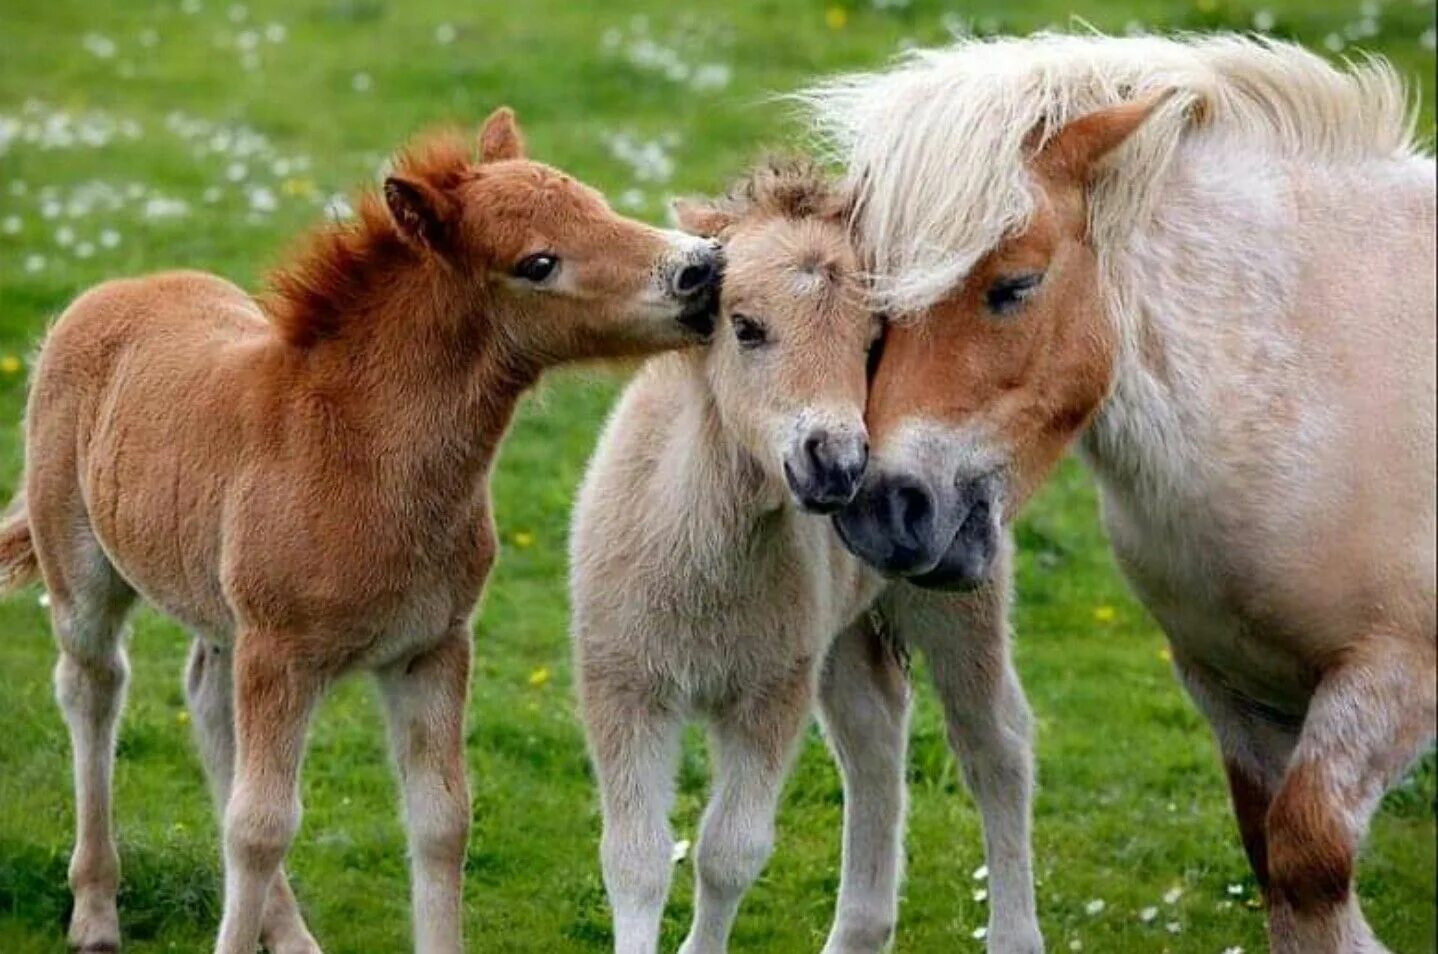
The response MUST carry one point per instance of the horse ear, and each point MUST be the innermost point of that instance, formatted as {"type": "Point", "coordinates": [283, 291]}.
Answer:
{"type": "Point", "coordinates": [500, 137]}
{"type": "Point", "coordinates": [420, 212]}
{"type": "Point", "coordinates": [701, 218]}
{"type": "Point", "coordinates": [1077, 151]}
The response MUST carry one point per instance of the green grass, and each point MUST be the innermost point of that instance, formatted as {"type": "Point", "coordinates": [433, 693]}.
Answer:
{"type": "Point", "coordinates": [1131, 802]}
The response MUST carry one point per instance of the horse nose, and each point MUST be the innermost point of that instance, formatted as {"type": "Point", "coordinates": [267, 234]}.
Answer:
{"type": "Point", "coordinates": [832, 465]}
{"type": "Point", "coordinates": [697, 275]}
{"type": "Point", "coordinates": [890, 526]}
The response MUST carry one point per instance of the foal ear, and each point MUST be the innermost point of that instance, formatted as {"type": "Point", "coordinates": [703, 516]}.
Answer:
{"type": "Point", "coordinates": [1077, 151]}
{"type": "Point", "coordinates": [420, 212]}
{"type": "Point", "coordinates": [701, 218]}
{"type": "Point", "coordinates": [500, 137]}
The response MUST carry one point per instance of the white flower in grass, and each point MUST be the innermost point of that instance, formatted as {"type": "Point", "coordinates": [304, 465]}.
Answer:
{"type": "Point", "coordinates": [212, 194]}
{"type": "Point", "coordinates": [44, 600]}
{"type": "Point", "coordinates": [445, 34]}
{"type": "Point", "coordinates": [161, 207]}
{"type": "Point", "coordinates": [1428, 39]}
{"type": "Point", "coordinates": [34, 263]}
{"type": "Point", "coordinates": [51, 209]}
{"type": "Point", "coordinates": [1370, 8]}
{"type": "Point", "coordinates": [237, 171]}
{"type": "Point", "coordinates": [19, 187]}
{"type": "Point", "coordinates": [1076, 945]}
{"type": "Point", "coordinates": [1172, 895]}
{"type": "Point", "coordinates": [149, 37]}
{"type": "Point", "coordinates": [338, 208]}
{"type": "Point", "coordinates": [680, 851]}
{"type": "Point", "coordinates": [1235, 890]}
{"type": "Point", "coordinates": [239, 13]}
{"type": "Point", "coordinates": [1233, 950]}
{"type": "Point", "coordinates": [109, 238]}
{"type": "Point", "coordinates": [247, 40]}
{"type": "Point", "coordinates": [361, 82]}
{"type": "Point", "coordinates": [262, 199]}
{"type": "Point", "coordinates": [610, 39]}
{"type": "Point", "coordinates": [64, 236]}
{"type": "Point", "coordinates": [249, 61]}
{"type": "Point", "coordinates": [979, 933]}
{"type": "Point", "coordinates": [1148, 914]}
{"type": "Point", "coordinates": [12, 225]}
{"type": "Point", "coordinates": [1333, 43]}
{"type": "Point", "coordinates": [981, 873]}
{"type": "Point", "coordinates": [190, 7]}
{"type": "Point", "coordinates": [276, 32]}
{"type": "Point", "coordinates": [1095, 906]}
{"type": "Point", "coordinates": [1134, 28]}
{"type": "Point", "coordinates": [711, 76]}
{"type": "Point", "coordinates": [981, 895]}
{"type": "Point", "coordinates": [84, 249]}
{"type": "Point", "coordinates": [1264, 20]}
{"type": "Point", "coordinates": [99, 46]}
{"type": "Point", "coordinates": [1173, 927]}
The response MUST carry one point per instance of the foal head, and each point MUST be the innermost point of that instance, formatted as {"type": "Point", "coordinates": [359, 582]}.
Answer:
{"type": "Point", "coordinates": [787, 365]}
{"type": "Point", "coordinates": [975, 399]}
{"type": "Point", "coordinates": [539, 255]}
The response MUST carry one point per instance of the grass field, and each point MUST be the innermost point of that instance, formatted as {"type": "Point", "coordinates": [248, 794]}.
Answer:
{"type": "Point", "coordinates": [138, 135]}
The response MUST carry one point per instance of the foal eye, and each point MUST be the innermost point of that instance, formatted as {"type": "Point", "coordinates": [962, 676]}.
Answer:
{"type": "Point", "coordinates": [749, 332]}
{"type": "Point", "coordinates": [1007, 295]}
{"type": "Point", "coordinates": [536, 268]}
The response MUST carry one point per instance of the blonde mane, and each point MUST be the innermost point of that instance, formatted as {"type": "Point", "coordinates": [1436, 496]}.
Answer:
{"type": "Point", "coordinates": [936, 145]}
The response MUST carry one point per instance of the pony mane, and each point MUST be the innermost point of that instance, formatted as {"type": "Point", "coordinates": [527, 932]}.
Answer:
{"type": "Point", "coordinates": [311, 295]}
{"type": "Point", "coordinates": [936, 146]}
{"type": "Point", "coordinates": [787, 186]}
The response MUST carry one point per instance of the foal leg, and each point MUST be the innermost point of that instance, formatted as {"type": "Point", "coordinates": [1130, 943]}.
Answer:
{"type": "Point", "coordinates": [864, 703]}
{"type": "Point", "coordinates": [966, 639]}
{"type": "Point", "coordinates": [1256, 748]}
{"type": "Point", "coordinates": [88, 605]}
{"type": "Point", "coordinates": [425, 704]}
{"type": "Point", "coordinates": [634, 742]}
{"type": "Point", "coordinates": [274, 697]}
{"type": "Point", "coordinates": [1372, 714]}
{"type": "Point", "coordinates": [209, 690]}
{"type": "Point", "coordinates": [753, 742]}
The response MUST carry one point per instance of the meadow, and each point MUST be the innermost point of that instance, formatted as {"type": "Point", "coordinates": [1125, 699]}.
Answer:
{"type": "Point", "coordinates": [140, 135]}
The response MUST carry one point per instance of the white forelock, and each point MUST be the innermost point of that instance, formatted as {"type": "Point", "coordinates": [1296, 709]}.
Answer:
{"type": "Point", "coordinates": [936, 145]}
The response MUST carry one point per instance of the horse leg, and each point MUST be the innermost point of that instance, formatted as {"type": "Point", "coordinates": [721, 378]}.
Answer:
{"type": "Point", "coordinates": [1372, 714]}
{"type": "Point", "coordinates": [966, 640]}
{"type": "Point", "coordinates": [273, 701]}
{"type": "Point", "coordinates": [753, 742]}
{"type": "Point", "coordinates": [634, 742]}
{"type": "Point", "coordinates": [209, 691]}
{"type": "Point", "coordinates": [88, 605]}
{"type": "Point", "coordinates": [425, 701]}
{"type": "Point", "coordinates": [864, 704]}
{"type": "Point", "coordinates": [1255, 748]}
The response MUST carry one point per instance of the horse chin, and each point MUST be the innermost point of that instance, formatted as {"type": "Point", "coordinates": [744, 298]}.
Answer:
{"type": "Point", "coordinates": [969, 561]}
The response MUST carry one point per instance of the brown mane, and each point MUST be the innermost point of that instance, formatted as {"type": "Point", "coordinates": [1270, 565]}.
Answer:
{"type": "Point", "coordinates": [310, 295]}
{"type": "Point", "coordinates": [788, 186]}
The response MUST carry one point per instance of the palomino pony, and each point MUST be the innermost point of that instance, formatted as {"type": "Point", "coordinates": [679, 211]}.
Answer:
{"type": "Point", "coordinates": [1213, 260]}
{"type": "Point", "coordinates": [705, 583]}
{"type": "Point", "coordinates": [303, 482]}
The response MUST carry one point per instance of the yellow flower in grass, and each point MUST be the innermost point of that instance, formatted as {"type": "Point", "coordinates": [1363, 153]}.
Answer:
{"type": "Point", "coordinates": [540, 677]}
{"type": "Point", "coordinates": [300, 187]}
{"type": "Point", "coordinates": [182, 717]}
{"type": "Point", "coordinates": [1165, 655]}
{"type": "Point", "coordinates": [1105, 614]}
{"type": "Point", "coordinates": [10, 364]}
{"type": "Point", "coordinates": [523, 539]}
{"type": "Point", "coordinates": [836, 17]}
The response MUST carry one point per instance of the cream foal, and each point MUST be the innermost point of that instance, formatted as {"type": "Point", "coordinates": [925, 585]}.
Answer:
{"type": "Point", "coordinates": [701, 586]}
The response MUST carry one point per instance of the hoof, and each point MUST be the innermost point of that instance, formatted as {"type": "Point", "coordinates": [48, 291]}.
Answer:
{"type": "Point", "coordinates": [95, 928]}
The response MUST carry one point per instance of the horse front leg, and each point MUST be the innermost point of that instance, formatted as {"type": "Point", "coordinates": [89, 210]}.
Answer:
{"type": "Point", "coordinates": [966, 639]}
{"type": "Point", "coordinates": [424, 701]}
{"type": "Point", "coordinates": [1372, 714]}
{"type": "Point", "coordinates": [274, 697]}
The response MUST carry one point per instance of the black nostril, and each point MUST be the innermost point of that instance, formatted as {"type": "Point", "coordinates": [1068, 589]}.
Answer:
{"type": "Point", "coordinates": [815, 450]}
{"type": "Point", "coordinates": [694, 277]}
{"type": "Point", "coordinates": [910, 512]}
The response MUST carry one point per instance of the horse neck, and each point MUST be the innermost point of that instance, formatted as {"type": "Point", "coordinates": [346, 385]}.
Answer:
{"type": "Point", "coordinates": [1196, 294]}
{"type": "Point", "coordinates": [424, 380]}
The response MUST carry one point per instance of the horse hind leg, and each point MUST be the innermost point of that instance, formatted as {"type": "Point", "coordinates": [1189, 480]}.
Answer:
{"type": "Point", "coordinates": [1372, 714]}
{"type": "Point", "coordinates": [210, 693]}
{"type": "Point", "coordinates": [89, 603]}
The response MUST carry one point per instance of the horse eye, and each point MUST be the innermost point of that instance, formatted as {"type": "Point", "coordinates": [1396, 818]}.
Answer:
{"type": "Point", "coordinates": [749, 332]}
{"type": "Point", "coordinates": [1007, 295]}
{"type": "Point", "coordinates": [536, 268]}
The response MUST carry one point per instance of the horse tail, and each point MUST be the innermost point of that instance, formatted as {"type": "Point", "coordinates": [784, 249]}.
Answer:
{"type": "Point", "coordinates": [18, 566]}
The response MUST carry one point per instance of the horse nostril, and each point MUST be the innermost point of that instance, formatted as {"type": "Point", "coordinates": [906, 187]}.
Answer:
{"type": "Point", "coordinates": [910, 511]}
{"type": "Point", "coordinates": [695, 277]}
{"type": "Point", "coordinates": [815, 450]}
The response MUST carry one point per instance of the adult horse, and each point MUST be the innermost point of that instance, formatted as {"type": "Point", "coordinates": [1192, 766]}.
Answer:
{"type": "Point", "coordinates": [1212, 260]}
